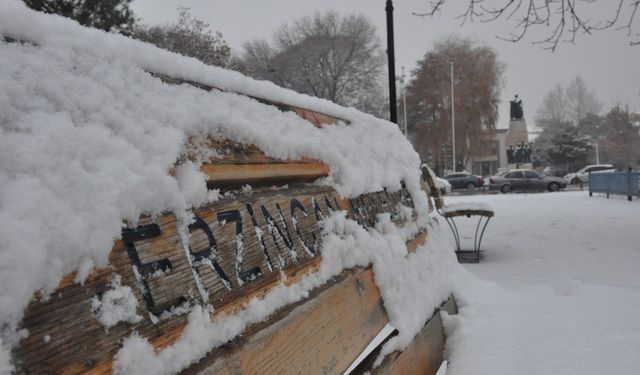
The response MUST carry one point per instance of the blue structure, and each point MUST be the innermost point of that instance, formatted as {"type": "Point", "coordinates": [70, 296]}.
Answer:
{"type": "Point", "coordinates": [622, 183]}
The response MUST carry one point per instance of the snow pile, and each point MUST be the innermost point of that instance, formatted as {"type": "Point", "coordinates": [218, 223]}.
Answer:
{"type": "Point", "coordinates": [411, 284]}
{"type": "Point", "coordinates": [87, 137]}
{"type": "Point", "coordinates": [589, 330]}
{"type": "Point", "coordinates": [564, 293]}
{"type": "Point", "coordinates": [5, 359]}
{"type": "Point", "coordinates": [116, 305]}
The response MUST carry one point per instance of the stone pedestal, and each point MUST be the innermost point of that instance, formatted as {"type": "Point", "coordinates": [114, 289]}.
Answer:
{"type": "Point", "coordinates": [520, 166]}
{"type": "Point", "coordinates": [517, 133]}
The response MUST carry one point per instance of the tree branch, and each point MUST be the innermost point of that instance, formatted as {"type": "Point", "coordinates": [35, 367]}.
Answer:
{"type": "Point", "coordinates": [564, 18]}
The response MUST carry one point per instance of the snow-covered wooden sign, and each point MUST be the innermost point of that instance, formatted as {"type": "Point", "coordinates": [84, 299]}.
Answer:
{"type": "Point", "coordinates": [234, 249]}
{"type": "Point", "coordinates": [206, 222]}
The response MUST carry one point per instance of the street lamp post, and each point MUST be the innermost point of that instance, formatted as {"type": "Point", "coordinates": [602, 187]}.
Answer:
{"type": "Point", "coordinates": [453, 122]}
{"type": "Point", "coordinates": [393, 115]}
{"type": "Point", "coordinates": [404, 103]}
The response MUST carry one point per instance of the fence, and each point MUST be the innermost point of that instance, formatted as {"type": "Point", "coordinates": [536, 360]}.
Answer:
{"type": "Point", "coordinates": [621, 183]}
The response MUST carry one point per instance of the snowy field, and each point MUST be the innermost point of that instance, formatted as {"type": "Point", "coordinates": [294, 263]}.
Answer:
{"type": "Point", "coordinates": [562, 289]}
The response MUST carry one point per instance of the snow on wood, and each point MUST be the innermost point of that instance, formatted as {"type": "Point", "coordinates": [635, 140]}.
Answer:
{"type": "Point", "coordinates": [467, 206]}
{"type": "Point", "coordinates": [91, 138]}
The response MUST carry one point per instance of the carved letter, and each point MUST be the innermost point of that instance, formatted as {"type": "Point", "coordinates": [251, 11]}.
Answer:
{"type": "Point", "coordinates": [242, 276]}
{"type": "Point", "coordinates": [259, 233]}
{"type": "Point", "coordinates": [209, 255]}
{"type": "Point", "coordinates": [276, 232]}
{"type": "Point", "coordinates": [312, 248]}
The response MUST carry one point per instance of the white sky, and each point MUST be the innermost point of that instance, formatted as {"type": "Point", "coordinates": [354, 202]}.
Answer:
{"type": "Point", "coordinates": [605, 60]}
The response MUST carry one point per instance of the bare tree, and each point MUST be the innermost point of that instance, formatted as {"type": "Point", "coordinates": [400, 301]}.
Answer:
{"type": "Point", "coordinates": [553, 109]}
{"type": "Point", "coordinates": [621, 145]}
{"type": "Point", "coordinates": [581, 101]}
{"type": "Point", "coordinates": [324, 55]}
{"type": "Point", "coordinates": [563, 19]}
{"type": "Point", "coordinates": [571, 105]}
{"type": "Point", "coordinates": [190, 37]}
{"type": "Point", "coordinates": [477, 81]}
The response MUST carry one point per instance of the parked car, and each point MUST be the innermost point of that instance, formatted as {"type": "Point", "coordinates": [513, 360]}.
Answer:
{"type": "Point", "coordinates": [464, 180]}
{"type": "Point", "coordinates": [526, 179]}
{"type": "Point", "coordinates": [582, 176]}
{"type": "Point", "coordinates": [551, 171]}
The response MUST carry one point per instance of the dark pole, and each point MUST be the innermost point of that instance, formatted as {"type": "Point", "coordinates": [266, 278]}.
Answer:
{"type": "Point", "coordinates": [393, 110]}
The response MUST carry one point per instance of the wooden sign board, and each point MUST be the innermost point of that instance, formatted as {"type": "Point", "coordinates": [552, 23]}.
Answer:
{"type": "Point", "coordinates": [236, 249]}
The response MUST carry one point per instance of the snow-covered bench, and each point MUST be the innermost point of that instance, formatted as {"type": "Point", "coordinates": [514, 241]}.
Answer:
{"type": "Point", "coordinates": [450, 212]}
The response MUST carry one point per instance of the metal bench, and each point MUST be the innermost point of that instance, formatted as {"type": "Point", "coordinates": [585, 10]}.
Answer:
{"type": "Point", "coordinates": [450, 212]}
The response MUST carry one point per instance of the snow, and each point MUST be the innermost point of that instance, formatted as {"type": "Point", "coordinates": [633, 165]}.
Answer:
{"type": "Point", "coordinates": [88, 139]}
{"type": "Point", "coordinates": [5, 359]}
{"type": "Point", "coordinates": [557, 291]}
{"type": "Point", "coordinates": [193, 184]}
{"type": "Point", "coordinates": [463, 206]}
{"type": "Point", "coordinates": [116, 305]}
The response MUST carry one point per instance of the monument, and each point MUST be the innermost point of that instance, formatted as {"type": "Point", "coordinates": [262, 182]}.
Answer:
{"type": "Point", "coordinates": [517, 139]}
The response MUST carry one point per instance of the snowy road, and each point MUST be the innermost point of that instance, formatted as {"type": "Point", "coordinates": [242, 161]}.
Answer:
{"type": "Point", "coordinates": [562, 294]}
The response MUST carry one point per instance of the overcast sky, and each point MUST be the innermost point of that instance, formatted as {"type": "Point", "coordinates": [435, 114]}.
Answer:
{"type": "Point", "coordinates": [604, 60]}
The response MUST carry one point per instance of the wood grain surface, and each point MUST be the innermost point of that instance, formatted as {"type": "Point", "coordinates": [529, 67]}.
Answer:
{"type": "Point", "coordinates": [233, 251]}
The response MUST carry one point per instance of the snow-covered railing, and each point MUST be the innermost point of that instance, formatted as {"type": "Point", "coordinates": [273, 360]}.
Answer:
{"type": "Point", "coordinates": [621, 183]}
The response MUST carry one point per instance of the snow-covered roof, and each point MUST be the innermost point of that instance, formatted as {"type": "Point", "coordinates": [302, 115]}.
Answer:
{"type": "Point", "coordinates": [87, 137]}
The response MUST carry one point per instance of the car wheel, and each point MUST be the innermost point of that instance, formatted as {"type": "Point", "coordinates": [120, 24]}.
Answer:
{"type": "Point", "coordinates": [554, 186]}
{"type": "Point", "coordinates": [575, 181]}
{"type": "Point", "coordinates": [505, 189]}
{"type": "Point", "coordinates": [471, 185]}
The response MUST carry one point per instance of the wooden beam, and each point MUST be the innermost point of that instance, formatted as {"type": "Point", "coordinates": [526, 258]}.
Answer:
{"type": "Point", "coordinates": [224, 175]}
{"type": "Point", "coordinates": [65, 336]}
{"type": "Point", "coordinates": [322, 335]}
{"type": "Point", "coordinates": [346, 313]}
{"type": "Point", "coordinates": [423, 356]}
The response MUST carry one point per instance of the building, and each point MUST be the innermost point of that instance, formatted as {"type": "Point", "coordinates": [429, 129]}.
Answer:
{"type": "Point", "coordinates": [492, 155]}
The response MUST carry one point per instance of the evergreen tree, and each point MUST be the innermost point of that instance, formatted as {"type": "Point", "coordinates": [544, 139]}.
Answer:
{"type": "Point", "coordinates": [561, 145]}
{"type": "Point", "coordinates": [108, 15]}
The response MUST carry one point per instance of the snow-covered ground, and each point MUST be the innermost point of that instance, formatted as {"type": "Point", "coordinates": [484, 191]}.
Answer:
{"type": "Point", "coordinates": [557, 291]}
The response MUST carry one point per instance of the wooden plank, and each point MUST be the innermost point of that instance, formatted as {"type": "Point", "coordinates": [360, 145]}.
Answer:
{"type": "Point", "coordinates": [423, 356]}
{"type": "Point", "coordinates": [224, 175]}
{"type": "Point", "coordinates": [66, 337]}
{"type": "Point", "coordinates": [231, 164]}
{"type": "Point", "coordinates": [346, 315]}
{"type": "Point", "coordinates": [323, 335]}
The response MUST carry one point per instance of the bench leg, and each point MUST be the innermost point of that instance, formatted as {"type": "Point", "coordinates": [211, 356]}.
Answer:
{"type": "Point", "coordinates": [477, 241]}
{"type": "Point", "coordinates": [454, 229]}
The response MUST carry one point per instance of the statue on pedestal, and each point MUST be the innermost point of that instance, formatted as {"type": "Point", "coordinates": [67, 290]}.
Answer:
{"type": "Point", "coordinates": [527, 153]}
{"type": "Point", "coordinates": [519, 154]}
{"type": "Point", "coordinates": [516, 109]}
